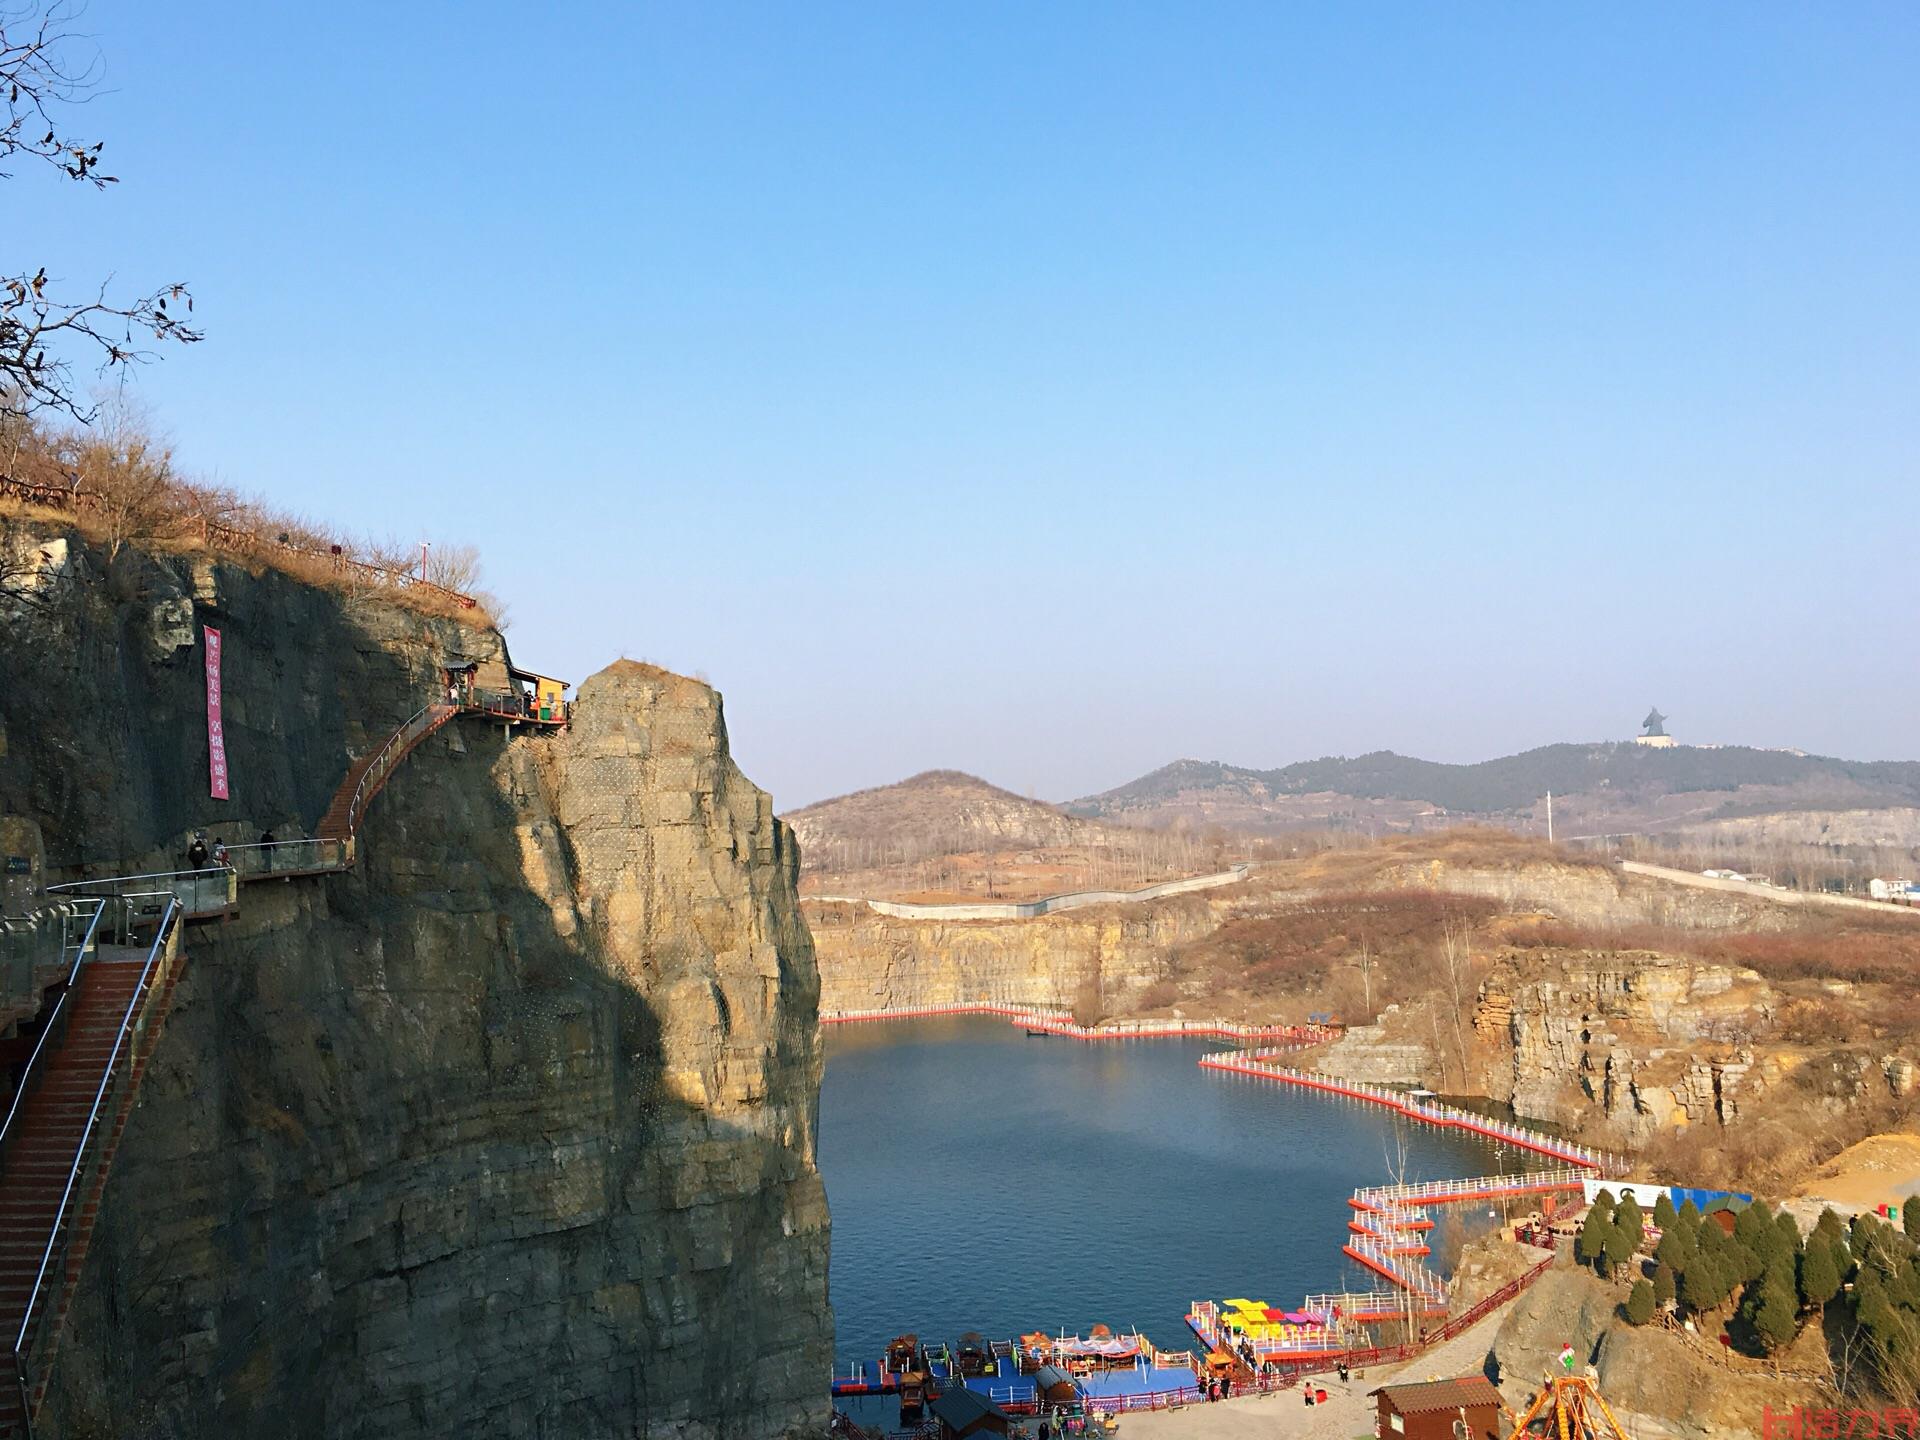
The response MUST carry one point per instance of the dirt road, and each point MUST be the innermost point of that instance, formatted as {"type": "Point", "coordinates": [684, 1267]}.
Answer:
{"type": "Point", "coordinates": [1765, 892]}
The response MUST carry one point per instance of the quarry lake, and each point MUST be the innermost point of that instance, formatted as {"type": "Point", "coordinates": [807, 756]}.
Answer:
{"type": "Point", "coordinates": [983, 1180]}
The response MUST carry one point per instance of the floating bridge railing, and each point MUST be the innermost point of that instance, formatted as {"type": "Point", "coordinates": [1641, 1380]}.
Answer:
{"type": "Point", "coordinates": [1415, 1195]}
{"type": "Point", "coordinates": [1053, 1021]}
{"type": "Point", "coordinates": [1260, 1065]}
{"type": "Point", "coordinates": [1402, 1270]}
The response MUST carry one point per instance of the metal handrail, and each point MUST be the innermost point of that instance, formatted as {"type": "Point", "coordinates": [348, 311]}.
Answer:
{"type": "Point", "coordinates": [77, 886]}
{"type": "Point", "coordinates": [55, 1022]}
{"type": "Point", "coordinates": [209, 891]}
{"type": "Point", "coordinates": [329, 853]}
{"type": "Point", "coordinates": [142, 991]}
{"type": "Point", "coordinates": [383, 761]}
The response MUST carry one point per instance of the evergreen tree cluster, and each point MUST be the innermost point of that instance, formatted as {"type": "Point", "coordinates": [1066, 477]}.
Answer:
{"type": "Point", "coordinates": [1774, 1278]}
{"type": "Point", "coordinates": [1611, 1233]}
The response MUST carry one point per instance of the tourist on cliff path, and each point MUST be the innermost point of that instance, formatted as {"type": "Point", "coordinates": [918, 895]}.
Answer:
{"type": "Point", "coordinates": [197, 851]}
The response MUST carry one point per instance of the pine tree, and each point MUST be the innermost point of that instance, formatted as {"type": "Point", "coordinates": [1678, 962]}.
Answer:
{"type": "Point", "coordinates": [1674, 1252]}
{"type": "Point", "coordinates": [1831, 1226]}
{"type": "Point", "coordinates": [1819, 1276]}
{"type": "Point", "coordinates": [1705, 1283]}
{"type": "Point", "coordinates": [1592, 1244]}
{"type": "Point", "coordinates": [1627, 1216]}
{"type": "Point", "coordinates": [1663, 1285]}
{"type": "Point", "coordinates": [1910, 1216]}
{"type": "Point", "coordinates": [1773, 1313]}
{"type": "Point", "coordinates": [1618, 1245]}
{"type": "Point", "coordinates": [1640, 1303]}
{"type": "Point", "coordinates": [1663, 1213]}
{"type": "Point", "coordinates": [1787, 1235]}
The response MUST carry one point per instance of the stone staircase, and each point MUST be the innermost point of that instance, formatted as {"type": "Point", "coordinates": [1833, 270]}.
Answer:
{"type": "Point", "coordinates": [56, 1162]}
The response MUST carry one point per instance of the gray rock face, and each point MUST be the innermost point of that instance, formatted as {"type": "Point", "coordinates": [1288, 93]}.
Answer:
{"type": "Point", "coordinates": [1662, 1385]}
{"type": "Point", "coordinates": [510, 1131]}
{"type": "Point", "coordinates": [1649, 1041]}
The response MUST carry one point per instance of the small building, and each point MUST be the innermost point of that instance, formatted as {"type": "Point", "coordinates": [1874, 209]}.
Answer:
{"type": "Point", "coordinates": [1055, 1386]}
{"type": "Point", "coordinates": [1466, 1408]}
{"type": "Point", "coordinates": [961, 1412]}
{"type": "Point", "coordinates": [547, 695]}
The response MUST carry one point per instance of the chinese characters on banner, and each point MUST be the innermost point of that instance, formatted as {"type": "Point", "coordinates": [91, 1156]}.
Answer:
{"type": "Point", "coordinates": [216, 733]}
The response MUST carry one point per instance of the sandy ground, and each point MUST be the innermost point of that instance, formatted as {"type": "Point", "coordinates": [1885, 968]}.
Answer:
{"type": "Point", "coordinates": [1348, 1413]}
{"type": "Point", "coordinates": [1880, 1169]}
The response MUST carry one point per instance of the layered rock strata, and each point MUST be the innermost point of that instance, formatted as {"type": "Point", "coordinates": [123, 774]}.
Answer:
{"type": "Point", "coordinates": [1651, 1041]}
{"type": "Point", "coordinates": [1107, 957]}
{"type": "Point", "coordinates": [509, 1130]}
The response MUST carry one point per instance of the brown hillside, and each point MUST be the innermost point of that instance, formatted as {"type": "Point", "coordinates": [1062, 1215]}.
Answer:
{"type": "Point", "coordinates": [938, 812]}
{"type": "Point", "coordinates": [946, 836]}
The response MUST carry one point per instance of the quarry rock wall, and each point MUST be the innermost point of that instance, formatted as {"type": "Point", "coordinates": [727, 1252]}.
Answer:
{"type": "Point", "coordinates": [1650, 1042]}
{"type": "Point", "coordinates": [509, 1130]}
{"type": "Point", "coordinates": [1107, 956]}
{"type": "Point", "coordinates": [1592, 896]}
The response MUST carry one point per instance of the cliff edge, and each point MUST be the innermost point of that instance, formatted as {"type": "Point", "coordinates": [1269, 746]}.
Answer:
{"type": "Point", "coordinates": [510, 1129]}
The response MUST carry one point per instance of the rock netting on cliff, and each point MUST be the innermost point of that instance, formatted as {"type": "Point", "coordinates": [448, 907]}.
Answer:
{"type": "Point", "coordinates": [508, 1131]}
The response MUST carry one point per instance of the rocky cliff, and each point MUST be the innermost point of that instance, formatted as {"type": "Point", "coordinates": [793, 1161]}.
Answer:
{"type": "Point", "coordinates": [1105, 957]}
{"type": "Point", "coordinates": [508, 1131]}
{"type": "Point", "coordinates": [1661, 1383]}
{"type": "Point", "coordinates": [1650, 1042]}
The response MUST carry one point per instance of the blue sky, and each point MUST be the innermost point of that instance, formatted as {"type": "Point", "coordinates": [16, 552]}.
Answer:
{"type": "Point", "coordinates": [1051, 391]}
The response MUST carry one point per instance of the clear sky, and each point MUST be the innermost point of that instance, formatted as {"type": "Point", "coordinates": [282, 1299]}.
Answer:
{"type": "Point", "coordinates": [1054, 390]}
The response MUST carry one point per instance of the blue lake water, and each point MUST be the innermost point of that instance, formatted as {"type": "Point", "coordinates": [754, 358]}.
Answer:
{"type": "Point", "coordinates": [983, 1180]}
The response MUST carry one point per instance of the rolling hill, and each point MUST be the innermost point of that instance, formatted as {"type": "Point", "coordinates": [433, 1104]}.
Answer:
{"type": "Point", "coordinates": [938, 812]}
{"type": "Point", "coordinates": [1600, 786]}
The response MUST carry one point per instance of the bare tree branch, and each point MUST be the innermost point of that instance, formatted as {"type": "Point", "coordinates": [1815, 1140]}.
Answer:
{"type": "Point", "coordinates": [39, 330]}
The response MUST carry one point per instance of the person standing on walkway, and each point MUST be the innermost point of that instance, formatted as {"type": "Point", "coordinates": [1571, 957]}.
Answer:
{"type": "Point", "coordinates": [197, 851]}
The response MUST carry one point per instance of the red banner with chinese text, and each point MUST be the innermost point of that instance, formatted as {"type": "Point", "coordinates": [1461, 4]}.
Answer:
{"type": "Point", "coordinates": [216, 732]}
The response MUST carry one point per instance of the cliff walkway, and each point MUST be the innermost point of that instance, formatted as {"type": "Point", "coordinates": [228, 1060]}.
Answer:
{"type": "Point", "coordinates": [64, 1124]}
{"type": "Point", "coordinates": [90, 977]}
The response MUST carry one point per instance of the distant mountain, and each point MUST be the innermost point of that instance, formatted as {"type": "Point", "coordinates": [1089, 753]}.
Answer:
{"type": "Point", "coordinates": [1614, 786]}
{"type": "Point", "coordinates": [939, 812]}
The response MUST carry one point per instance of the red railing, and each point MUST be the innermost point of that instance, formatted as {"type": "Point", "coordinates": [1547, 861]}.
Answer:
{"type": "Point", "coordinates": [1060, 1023]}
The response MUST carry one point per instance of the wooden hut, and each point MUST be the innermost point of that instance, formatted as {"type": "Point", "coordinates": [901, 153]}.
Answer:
{"type": "Point", "coordinates": [1466, 1408]}
{"type": "Point", "coordinates": [961, 1413]}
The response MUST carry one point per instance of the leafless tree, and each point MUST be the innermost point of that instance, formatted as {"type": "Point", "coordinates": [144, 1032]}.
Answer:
{"type": "Point", "coordinates": [456, 567]}
{"type": "Point", "coordinates": [1456, 964]}
{"type": "Point", "coordinates": [40, 332]}
{"type": "Point", "coordinates": [127, 469]}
